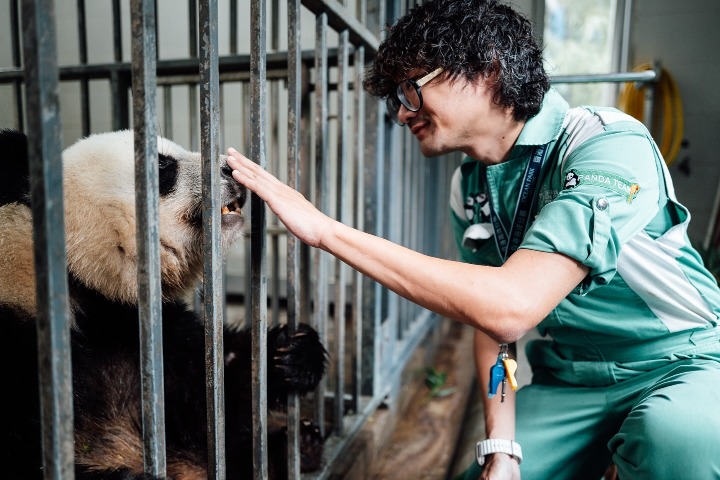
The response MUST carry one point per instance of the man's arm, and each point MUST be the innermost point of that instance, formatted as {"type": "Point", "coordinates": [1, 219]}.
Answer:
{"type": "Point", "coordinates": [503, 302]}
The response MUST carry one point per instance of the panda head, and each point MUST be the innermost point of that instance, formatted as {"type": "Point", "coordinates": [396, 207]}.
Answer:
{"type": "Point", "coordinates": [100, 220]}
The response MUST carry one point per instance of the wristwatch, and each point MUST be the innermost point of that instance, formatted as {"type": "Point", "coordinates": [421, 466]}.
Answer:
{"type": "Point", "coordinates": [495, 445]}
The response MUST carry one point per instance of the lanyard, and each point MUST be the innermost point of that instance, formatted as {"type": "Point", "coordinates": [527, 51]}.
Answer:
{"type": "Point", "coordinates": [507, 244]}
{"type": "Point", "coordinates": [504, 368]}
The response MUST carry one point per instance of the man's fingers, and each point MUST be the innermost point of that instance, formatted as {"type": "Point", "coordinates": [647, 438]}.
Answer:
{"type": "Point", "coordinates": [238, 161]}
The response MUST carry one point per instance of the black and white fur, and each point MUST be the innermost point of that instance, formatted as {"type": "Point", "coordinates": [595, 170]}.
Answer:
{"type": "Point", "coordinates": [99, 207]}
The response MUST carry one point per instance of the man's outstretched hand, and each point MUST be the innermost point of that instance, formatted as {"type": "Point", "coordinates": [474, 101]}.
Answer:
{"type": "Point", "coordinates": [300, 216]}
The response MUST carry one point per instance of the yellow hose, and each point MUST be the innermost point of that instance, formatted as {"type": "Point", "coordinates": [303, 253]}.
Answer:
{"type": "Point", "coordinates": [668, 121]}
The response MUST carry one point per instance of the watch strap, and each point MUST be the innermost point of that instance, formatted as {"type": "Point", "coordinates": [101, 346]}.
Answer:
{"type": "Point", "coordinates": [496, 445]}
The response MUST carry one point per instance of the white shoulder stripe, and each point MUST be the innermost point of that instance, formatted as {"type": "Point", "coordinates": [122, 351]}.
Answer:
{"type": "Point", "coordinates": [649, 268]}
{"type": "Point", "coordinates": [611, 116]}
{"type": "Point", "coordinates": [580, 125]}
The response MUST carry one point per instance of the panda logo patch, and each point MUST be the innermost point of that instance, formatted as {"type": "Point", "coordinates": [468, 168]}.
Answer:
{"type": "Point", "coordinates": [572, 179]}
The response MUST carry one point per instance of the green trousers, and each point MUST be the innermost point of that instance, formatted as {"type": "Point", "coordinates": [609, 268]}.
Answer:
{"type": "Point", "coordinates": [655, 419]}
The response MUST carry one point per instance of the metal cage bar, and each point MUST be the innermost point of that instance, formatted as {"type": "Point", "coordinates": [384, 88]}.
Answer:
{"type": "Point", "coordinates": [213, 291]}
{"type": "Point", "coordinates": [148, 235]}
{"type": "Point", "coordinates": [44, 150]}
{"type": "Point", "coordinates": [358, 314]}
{"type": "Point", "coordinates": [293, 289]}
{"type": "Point", "coordinates": [320, 260]}
{"type": "Point", "coordinates": [258, 247]}
{"type": "Point", "coordinates": [17, 61]}
{"type": "Point", "coordinates": [342, 197]}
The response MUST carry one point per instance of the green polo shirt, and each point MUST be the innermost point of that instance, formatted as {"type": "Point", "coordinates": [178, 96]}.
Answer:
{"type": "Point", "coordinates": [604, 197]}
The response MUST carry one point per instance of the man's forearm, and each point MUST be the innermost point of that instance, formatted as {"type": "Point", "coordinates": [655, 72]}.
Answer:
{"type": "Point", "coordinates": [499, 416]}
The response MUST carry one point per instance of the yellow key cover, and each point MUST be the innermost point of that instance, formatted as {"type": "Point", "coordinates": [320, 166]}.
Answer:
{"type": "Point", "coordinates": [510, 369]}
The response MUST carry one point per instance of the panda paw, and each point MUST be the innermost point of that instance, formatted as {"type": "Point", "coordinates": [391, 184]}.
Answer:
{"type": "Point", "coordinates": [311, 449]}
{"type": "Point", "coordinates": [311, 446]}
{"type": "Point", "coordinates": [296, 363]}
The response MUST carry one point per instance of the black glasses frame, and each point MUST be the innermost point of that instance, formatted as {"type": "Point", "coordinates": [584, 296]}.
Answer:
{"type": "Point", "coordinates": [393, 102]}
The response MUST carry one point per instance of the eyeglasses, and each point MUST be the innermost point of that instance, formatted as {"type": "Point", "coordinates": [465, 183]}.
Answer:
{"type": "Point", "coordinates": [408, 94]}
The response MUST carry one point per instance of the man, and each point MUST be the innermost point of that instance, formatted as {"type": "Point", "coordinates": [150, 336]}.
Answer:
{"type": "Point", "coordinates": [566, 220]}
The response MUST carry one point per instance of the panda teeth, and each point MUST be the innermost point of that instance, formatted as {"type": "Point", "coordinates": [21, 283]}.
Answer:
{"type": "Point", "coordinates": [232, 208]}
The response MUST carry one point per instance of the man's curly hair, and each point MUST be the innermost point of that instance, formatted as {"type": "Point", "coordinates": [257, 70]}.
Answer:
{"type": "Point", "coordinates": [470, 39]}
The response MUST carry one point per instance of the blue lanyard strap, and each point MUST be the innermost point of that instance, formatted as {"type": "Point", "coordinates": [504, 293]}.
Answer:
{"type": "Point", "coordinates": [507, 244]}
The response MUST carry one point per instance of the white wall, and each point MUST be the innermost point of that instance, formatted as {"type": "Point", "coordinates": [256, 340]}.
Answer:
{"type": "Point", "coordinates": [685, 37]}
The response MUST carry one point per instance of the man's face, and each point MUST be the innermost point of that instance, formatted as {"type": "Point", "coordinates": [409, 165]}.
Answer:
{"type": "Point", "coordinates": [455, 115]}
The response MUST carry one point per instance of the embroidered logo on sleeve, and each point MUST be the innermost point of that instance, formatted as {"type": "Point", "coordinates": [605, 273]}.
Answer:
{"type": "Point", "coordinates": [607, 180]}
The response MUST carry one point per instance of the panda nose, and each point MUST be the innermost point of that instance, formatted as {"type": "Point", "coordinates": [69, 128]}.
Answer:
{"type": "Point", "coordinates": [227, 171]}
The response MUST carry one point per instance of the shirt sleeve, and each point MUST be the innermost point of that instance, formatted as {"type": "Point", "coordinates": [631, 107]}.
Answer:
{"type": "Point", "coordinates": [609, 191]}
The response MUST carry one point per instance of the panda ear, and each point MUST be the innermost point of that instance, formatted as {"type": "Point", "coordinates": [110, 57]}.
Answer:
{"type": "Point", "coordinates": [14, 182]}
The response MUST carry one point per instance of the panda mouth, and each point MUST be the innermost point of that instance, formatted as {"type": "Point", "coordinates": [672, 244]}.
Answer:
{"type": "Point", "coordinates": [232, 208]}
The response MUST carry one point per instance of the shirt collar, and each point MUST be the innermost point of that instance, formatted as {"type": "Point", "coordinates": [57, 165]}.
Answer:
{"type": "Point", "coordinates": [546, 125]}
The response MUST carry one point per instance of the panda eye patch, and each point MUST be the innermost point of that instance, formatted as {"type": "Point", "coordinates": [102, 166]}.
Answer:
{"type": "Point", "coordinates": [168, 174]}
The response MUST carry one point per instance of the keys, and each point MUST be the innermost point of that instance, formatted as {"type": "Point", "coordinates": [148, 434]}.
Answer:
{"type": "Point", "coordinates": [510, 369]}
{"type": "Point", "coordinates": [502, 372]}
{"type": "Point", "coordinates": [497, 376]}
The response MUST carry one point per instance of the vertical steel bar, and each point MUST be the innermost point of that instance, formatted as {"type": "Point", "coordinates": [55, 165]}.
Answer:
{"type": "Point", "coordinates": [117, 31]}
{"type": "Point", "coordinates": [118, 86]}
{"type": "Point", "coordinates": [321, 193]}
{"type": "Point", "coordinates": [144, 82]}
{"type": "Point", "coordinates": [275, 26]}
{"type": "Point", "coordinates": [83, 57]}
{"type": "Point", "coordinates": [192, 88]}
{"type": "Point", "coordinates": [233, 27]}
{"type": "Point", "coordinates": [361, 11]}
{"type": "Point", "coordinates": [407, 168]}
{"type": "Point", "coordinates": [374, 214]}
{"type": "Point", "coordinates": [258, 99]}
{"type": "Point", "coordinates": [294, 290]}
{"type": "Point", "coordinates": [358, 312]}
{"type": "Point", "coordinates": [246, 136]}
{"type": "Point", "coordinates": [17, 61]}
{"type": "Point", "coordinates": [306, 160]}
{"type": "Point", "coordinates": [213, 292]}
{"type": "Point", "coordinates": [274, 166]}
{"type": "Point", "coordinates": [167, 129]}
{"type": "Point", "coordinates": [341, 273]}
{"type": "Point", "coordinates": [389, 204]}
{"type": "Point", "coordinates": [45, 152]}
{"type": "Point", "coordinates": [372, 203]}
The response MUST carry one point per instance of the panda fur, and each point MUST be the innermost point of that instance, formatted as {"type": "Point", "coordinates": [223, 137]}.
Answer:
{"type": "Point", "coordinates": [99, 203]}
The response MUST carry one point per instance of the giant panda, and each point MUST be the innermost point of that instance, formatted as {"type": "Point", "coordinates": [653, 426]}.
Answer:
{"type": "Point", "coordinates": [99, 203]}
